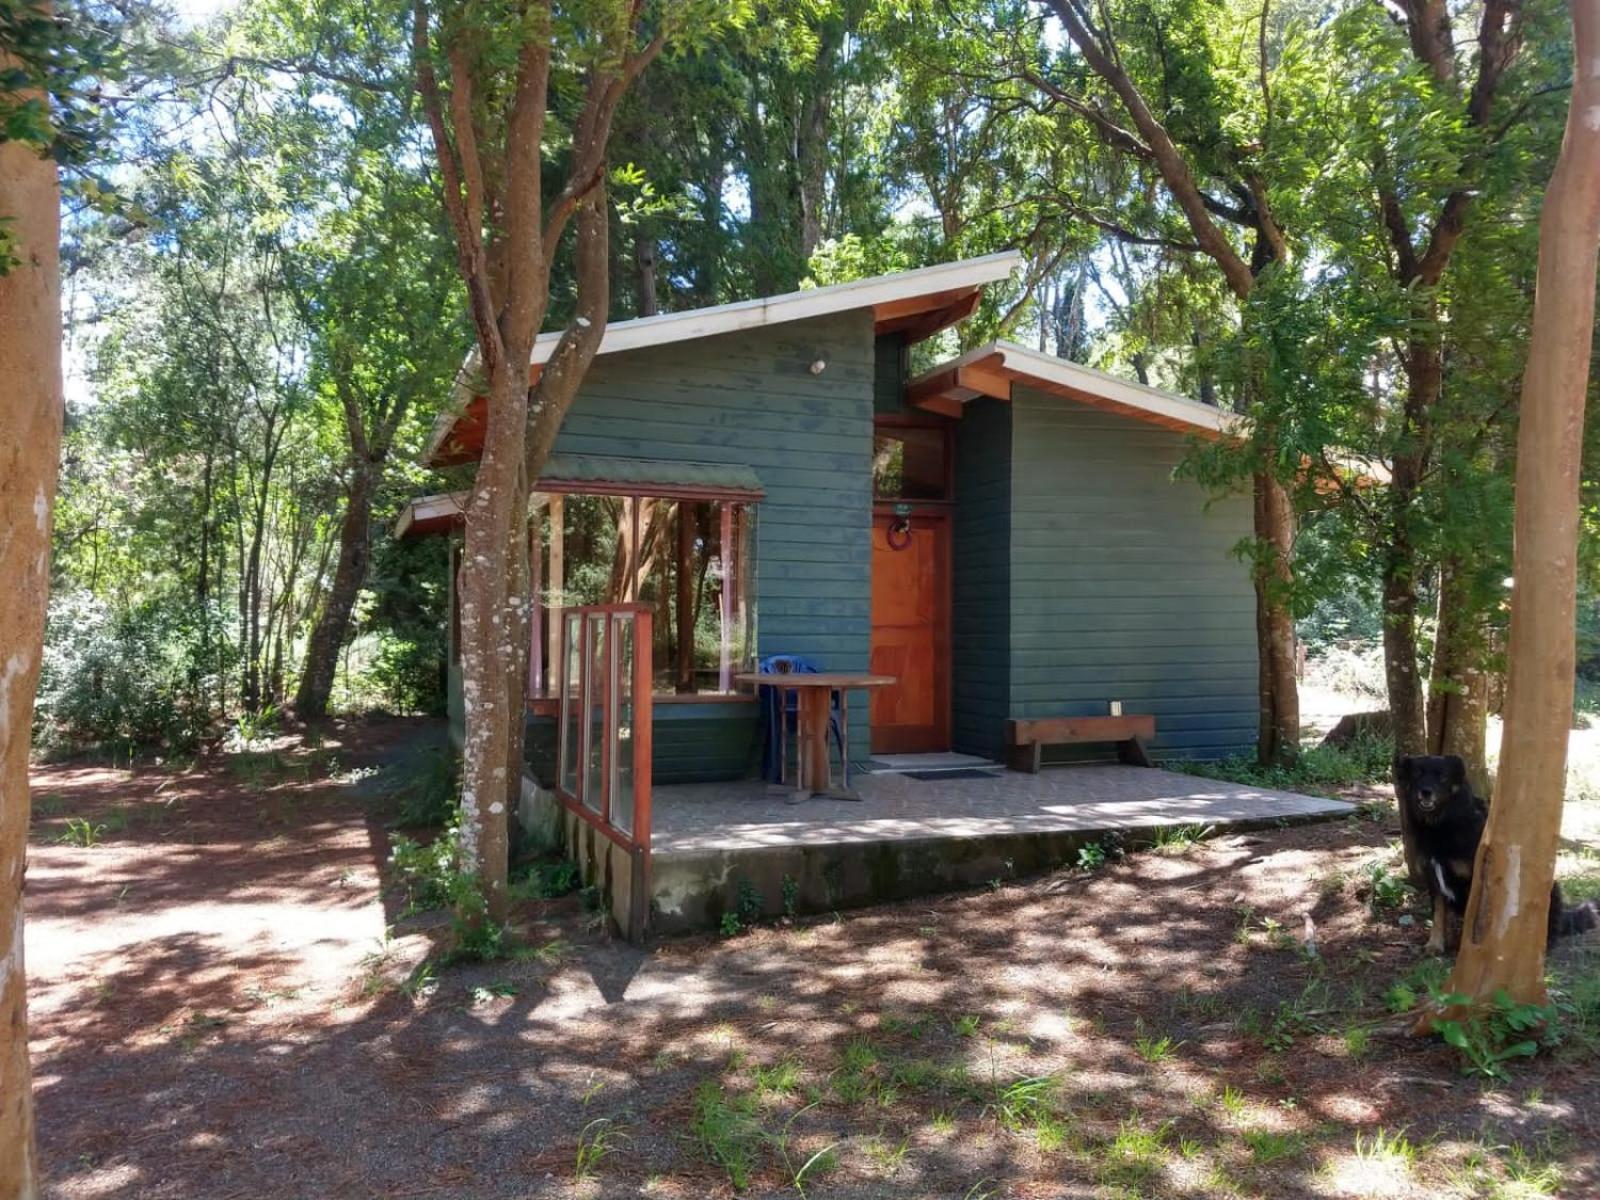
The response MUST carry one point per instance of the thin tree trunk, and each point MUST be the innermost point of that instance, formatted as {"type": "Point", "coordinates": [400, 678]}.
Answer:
{"type": "Point", "coordinates": [30, 441]}
{"type": "Point", "coordinates": [1278, 738]}
{"type": "Point", "coordinates": [333, 622]}
{"type": "Point", "coordinates": [1503, 940]}
{"type": "Point", "coordinates": [1400, 568]}
{"type": "Point", "coordinates": [644, 268]}
{"type": "Point", "coordinates": [1458, 689]}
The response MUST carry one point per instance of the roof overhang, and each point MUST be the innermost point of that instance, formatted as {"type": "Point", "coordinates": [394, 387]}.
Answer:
{"type": "Point", "coordinates": [431, 514]}
{"type": "Point", "coordinates": [994, 369]}
{"type": "Point", "coordinates": [592, 474]}
{"type": "Point", "coordinates": [915, 304]}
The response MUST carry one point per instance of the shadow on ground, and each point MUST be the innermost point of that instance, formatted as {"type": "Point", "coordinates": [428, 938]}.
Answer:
{"type": "Point", "coordinates": [1157, 1028]}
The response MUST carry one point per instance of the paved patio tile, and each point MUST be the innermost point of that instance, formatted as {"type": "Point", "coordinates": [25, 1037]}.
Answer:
{"type": "Point", "coordinates": [745, 815]}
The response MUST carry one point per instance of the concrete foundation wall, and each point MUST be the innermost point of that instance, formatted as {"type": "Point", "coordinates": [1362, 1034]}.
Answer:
{"type": "Point", "coordinates": [692, 890]}
{"type": "Point", "coordinates": [548, 826]}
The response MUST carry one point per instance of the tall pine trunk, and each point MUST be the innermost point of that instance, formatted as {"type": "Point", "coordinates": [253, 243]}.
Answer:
{"type": "Point", "coordinates": [30, 441]}
{"type": "Point", "coordinates": [333, 622]}
{"type": "Point", "coordinates": [1503, 939]}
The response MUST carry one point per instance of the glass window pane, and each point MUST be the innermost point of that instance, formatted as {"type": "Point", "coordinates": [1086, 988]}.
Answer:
{"type": "Point", "coordinates": [622, 753]}
{"type": "Point", "coordinates": [595, 702]}
{"type": "Point", "coordinates": [909, 463]}
{"type": "Point", "coordinates": [677, 556]}
{"type": "Point", "coordinates": [571, 705]}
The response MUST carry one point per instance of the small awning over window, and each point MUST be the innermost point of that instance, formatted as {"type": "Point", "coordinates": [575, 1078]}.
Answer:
{"type": "Point", "coordinates": [649, 477]}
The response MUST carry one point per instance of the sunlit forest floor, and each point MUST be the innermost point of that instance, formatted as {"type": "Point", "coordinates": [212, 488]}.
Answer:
{"type": "Point", "coordinates": [227, 1002]}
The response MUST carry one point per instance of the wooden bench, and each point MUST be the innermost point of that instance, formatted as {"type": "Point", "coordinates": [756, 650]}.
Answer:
{"type": "Point", "coordinates": [1026, 738]}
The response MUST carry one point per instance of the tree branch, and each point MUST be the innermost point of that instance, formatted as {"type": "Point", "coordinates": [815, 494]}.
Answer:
{"type": "Point", "coordinates": [1174, 169]}
{"type": "Point", "coordinates": [469, 238]}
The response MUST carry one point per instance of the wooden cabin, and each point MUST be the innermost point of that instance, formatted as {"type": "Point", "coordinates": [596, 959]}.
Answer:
{"type": "Point", "coordinates": [1004, 533]}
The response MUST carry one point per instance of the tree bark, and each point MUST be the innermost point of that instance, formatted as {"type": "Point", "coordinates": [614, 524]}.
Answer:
{"type": "Point", "coordinates": [328, 634]}
{"type": "Point", "coordinates": [30, 442]}
{"type": "Point", "coordinates": [644, 268]}
{"type": "Point", "coordinates": [1278, 738]}
{"type": "Point", "coordinates": [488, 638]}
{"type": "Point", "coordinates": [1458, 688]}
{"type": "Point", "coordinates": [1402, 672]}
{"type": "Point", "coordinates": [1503, 940]}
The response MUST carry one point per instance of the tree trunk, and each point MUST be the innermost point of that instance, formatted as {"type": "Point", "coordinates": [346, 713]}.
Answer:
{"type": "Point", "coordinates": [812, 153]}
{"type": "Point", "coordinates": [488, 642]}
{"type": "Point", "coordinates": [644, 268]}
{"type": "Point", "coordinates": [1458, 689]}
{"type": "Point", "coordinates": [1278, 739]}
{"type": "Point", "coordinates": [1400, 572]}
{"type": "Point", "coordinates": [30, 441]}
{"type": "Point", "coordinates": [333, 622]}
{"type": "Point", "coordinates": [1503, 940]}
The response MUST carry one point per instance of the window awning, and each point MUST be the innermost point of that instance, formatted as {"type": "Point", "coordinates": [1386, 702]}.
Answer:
{"type": "Point", "coordinates": [649, 477]}
{"type": "Point", "coordinates": [567, 474]}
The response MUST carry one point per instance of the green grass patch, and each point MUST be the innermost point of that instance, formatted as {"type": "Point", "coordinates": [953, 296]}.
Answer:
{"type": "Point", "coordinates": [728, 1131]}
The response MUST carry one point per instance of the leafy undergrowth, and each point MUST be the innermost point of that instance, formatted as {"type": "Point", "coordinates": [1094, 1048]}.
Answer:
{"type": "Point", "coordinates": [1320, 770]}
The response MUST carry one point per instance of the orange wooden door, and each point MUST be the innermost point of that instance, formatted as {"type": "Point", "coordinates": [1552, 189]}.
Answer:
{"type": "Point", "coordinates": [911, 634]}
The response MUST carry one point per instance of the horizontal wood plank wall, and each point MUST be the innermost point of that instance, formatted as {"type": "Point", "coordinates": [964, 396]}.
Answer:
{"type": "Point", "coordinates": [750, 399]}
{"type": "Point", "coordinates": [1123, 582]}
{"type": "Point", "coordinates": [693, 743]}
{"type": "Point", "coordinates": [980, 618]}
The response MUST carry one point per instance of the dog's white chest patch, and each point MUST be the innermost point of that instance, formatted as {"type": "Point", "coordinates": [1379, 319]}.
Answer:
{"type": "Point", "coordinates": [1444, 888]}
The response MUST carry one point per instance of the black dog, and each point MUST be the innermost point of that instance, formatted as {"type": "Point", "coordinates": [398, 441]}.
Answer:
{"type": "Point", "coordinates": [1442, 822]}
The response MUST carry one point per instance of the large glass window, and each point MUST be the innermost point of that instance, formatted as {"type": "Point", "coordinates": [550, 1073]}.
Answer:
{"type": "Point", "coordinates": [689, 559]}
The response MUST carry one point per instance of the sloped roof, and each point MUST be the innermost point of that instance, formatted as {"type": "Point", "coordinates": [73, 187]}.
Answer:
{"type": "Point", "coordinates": [917, 304]}
{"type": "Point", "coordinates": [991, 370]}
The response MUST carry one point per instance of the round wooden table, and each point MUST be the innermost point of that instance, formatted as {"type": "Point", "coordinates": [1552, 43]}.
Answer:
{"type": "Point", "coordinates": [814, 691]}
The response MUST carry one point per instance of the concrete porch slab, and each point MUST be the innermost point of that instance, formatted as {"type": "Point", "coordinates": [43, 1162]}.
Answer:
{"type": "Point", "coordinates": [719, 847]}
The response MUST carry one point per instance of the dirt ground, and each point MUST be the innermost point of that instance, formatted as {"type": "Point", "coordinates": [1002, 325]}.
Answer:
{"type": "Point", "coordinates": [226, 1004]}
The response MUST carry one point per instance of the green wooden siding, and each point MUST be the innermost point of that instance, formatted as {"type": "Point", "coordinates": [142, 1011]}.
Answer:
{"type": "Point", "coordinates": [980, 617]}
{"type": "Point", "coordinates": [1123, 584]}
{"type": "Point", "coordinates": [693, 743]}
{"type": "Point", "coordinates": [750, 399]}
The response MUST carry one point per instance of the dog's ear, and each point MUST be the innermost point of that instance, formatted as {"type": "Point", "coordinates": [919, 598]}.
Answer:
{"type": "Point", "coordinates": [1402, 768]}
{"type": "Point", "coordinates": [1455, 770]}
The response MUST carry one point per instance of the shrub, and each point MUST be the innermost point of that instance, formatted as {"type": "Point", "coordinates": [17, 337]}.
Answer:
{"type": "Point", "coordinates": [1350, 668]}
{"type": "Point", "coordinates": [139, 679]}
{"type": "Point", "coordinates": [407, 673]}
{"type": "Point", "coordinates": [1367, 760]}
{"type": "Point", "coordinates": [432, 879]}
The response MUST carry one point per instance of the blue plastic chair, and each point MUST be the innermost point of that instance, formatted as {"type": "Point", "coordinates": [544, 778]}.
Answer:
{"type": "Point", "coordinates": [778, 722]}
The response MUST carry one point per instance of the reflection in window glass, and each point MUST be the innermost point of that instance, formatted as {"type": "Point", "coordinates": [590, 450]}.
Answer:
{"type": "Point", "coordinates": [909, 463]}
{"type": "Point", "coordinates": [595, 737]}
{"type": "Point", "coordinates": [690, 560]}
{"type": "Point", "coordinates": [622, 753]}
{"type": "Point", "coordinates": [571, 742]}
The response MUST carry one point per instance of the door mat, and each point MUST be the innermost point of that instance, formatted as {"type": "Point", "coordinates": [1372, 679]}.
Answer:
{"type": "Point", "coordinates": [951, 773]}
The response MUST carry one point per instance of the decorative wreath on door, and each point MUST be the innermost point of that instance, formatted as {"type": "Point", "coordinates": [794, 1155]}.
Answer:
{"type": "Point", "coordinates": [898, 534]}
